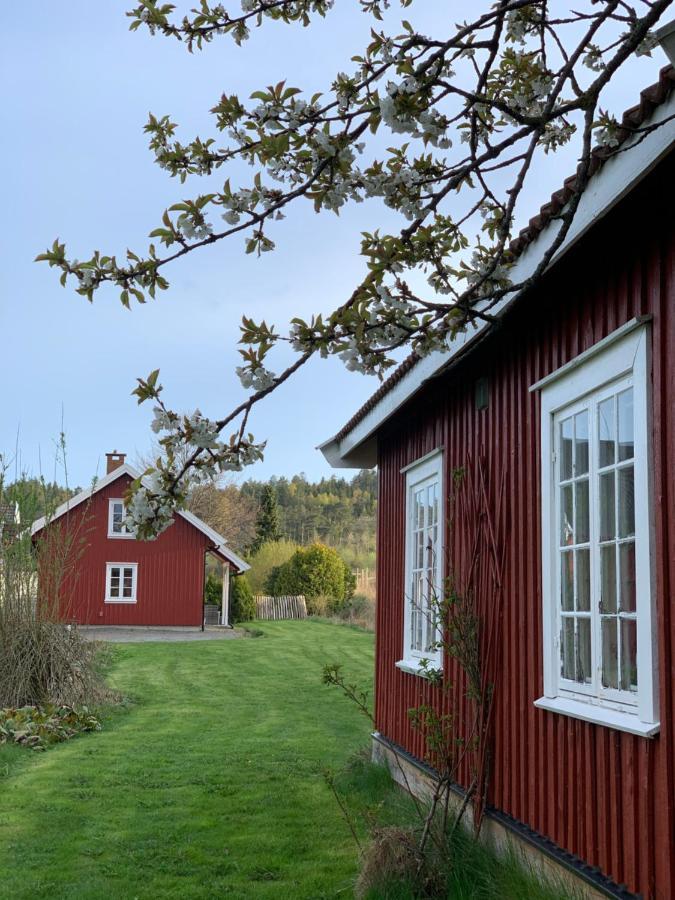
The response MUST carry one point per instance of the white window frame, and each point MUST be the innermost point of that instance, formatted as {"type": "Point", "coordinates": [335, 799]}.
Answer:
{"type": "Point", "coordinates": [125, 534]}
{"type": "Point", "coordinates": [134, 582]}
{"type": "Point", "coordinates": [427, 469]}
{"type": "Point", "coordinates": [619, 361]}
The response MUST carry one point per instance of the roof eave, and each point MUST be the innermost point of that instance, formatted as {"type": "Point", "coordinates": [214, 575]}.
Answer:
{"type": "Point", "coordinates": [357, 446]}
{"type": "Point", "coordinates": [217, 539]}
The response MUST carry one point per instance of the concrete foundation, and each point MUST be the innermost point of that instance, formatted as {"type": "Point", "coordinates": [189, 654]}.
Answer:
{"type": "Point", "coordinates": [501, 833]}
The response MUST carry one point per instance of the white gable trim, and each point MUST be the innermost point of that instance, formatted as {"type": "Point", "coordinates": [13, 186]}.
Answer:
{"type": "Point", "coordinates": [99, 484]}
{"type": "Point", "coordinates": [617, 177]}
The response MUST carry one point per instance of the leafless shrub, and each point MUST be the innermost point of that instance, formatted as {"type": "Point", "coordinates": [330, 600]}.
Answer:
{"type": "Point", "coordinates": [43, 659]}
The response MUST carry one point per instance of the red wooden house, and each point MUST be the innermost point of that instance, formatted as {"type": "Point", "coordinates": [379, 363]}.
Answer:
{"type": "Point", "coordinates": [113, 579]}
{"type": "Point", "coordinates": [570, 400]}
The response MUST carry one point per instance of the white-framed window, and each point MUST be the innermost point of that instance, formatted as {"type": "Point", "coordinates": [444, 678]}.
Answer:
{"type": "Point", "coordinates": [598, 598]}
{"type": "Point", "coordinates": [120, 582]}
{"type": "Point", "coordinates": [424, 521]}
{"type": "Point", "coordinates": [116, 515]}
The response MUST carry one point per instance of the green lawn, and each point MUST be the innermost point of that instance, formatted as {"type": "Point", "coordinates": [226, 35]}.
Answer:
{"type": "Point", "coordinates": [209, 784]}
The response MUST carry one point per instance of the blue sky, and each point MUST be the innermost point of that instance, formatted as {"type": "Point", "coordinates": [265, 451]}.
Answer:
{"type": "Point", "coordinates": [77, 88]}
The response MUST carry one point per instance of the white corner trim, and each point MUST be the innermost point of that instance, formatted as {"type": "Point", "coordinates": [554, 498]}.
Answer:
{"type": "Point", "coordinates": [598, 715]}
{"type": "Point", "coordinates": [423, 459]}
{"type": "Point", "coordinates": [595, 350]}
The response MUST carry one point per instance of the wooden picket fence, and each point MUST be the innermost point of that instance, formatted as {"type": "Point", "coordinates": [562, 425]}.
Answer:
{"type": "Point", "coordinates": [281, 607]}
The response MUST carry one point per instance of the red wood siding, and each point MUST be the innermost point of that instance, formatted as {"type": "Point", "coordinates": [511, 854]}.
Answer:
{"type": "Point", "coordinates": [170, 577]}
{"type": "Point", "coordinates": [604, 795]}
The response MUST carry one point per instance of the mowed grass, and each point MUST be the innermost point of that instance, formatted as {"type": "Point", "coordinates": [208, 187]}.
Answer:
{"type": "Point", "coordinates": [210, 784]}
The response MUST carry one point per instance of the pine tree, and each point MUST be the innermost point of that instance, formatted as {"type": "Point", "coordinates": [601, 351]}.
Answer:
{"type": "Point", "coordinates": [267, 524]}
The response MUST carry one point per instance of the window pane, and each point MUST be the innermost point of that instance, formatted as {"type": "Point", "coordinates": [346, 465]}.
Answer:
{"type": "Point", "coordinates": [566, 448]}
{"type": "Point", "coordinates": [606, 432]}
{"type": "Point", "coordinates": [610, 665]}
{"type": "Point", "coordinates": [607, 517]}
{"type": "Point", "coordinates": [435, 504]}
{"type": "Point", "coordinates": [566, 515]}
{"type": "Point", "coordinates": [627, 577]}
{"type": "Point", "coordinates": [419, 555]}
{"type": "Point", "coordinates": [626, 437]}
{"type": "Point", "coordinates": [117, 518]}
{"type": "Point", "coordinates": [626, 502]}
{"type": "Point", "coordinates": [567, 648]}
{"type": "Point", "coordinates": [583, 580]}
{"type": "Point", "coordinates": [608, 579]}
{"type": "Point", "coordinates": [628, 655]}
{"type": "Point", "coordinates": [581, 443]}
{"type": "Point", "coordinates": [584, 650]}
{"type": "Point", "coordinates": [567, 580]}
{"type": "Point", "coordinates": [414, 607]}
{"type": "Point", "coordinates": [582, 520]}
{"type": "Point", "coordinates": [430, 554]}
{"type": "Point", "coordinates": [418, 514]}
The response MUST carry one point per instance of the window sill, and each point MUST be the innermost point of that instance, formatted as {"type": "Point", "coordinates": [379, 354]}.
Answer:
{"type": "Point", "coordinates": [122, 537]}
{"type": "Point", "coordinates": [109, 600]}
{"type": "Point", "coordinates": [413, 667]}
{"type": "Point", "coordinates": [598, 715]}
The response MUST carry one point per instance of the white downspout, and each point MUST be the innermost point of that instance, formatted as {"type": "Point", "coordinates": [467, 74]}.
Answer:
{"type": "Point", "coordinates": [225, 612]}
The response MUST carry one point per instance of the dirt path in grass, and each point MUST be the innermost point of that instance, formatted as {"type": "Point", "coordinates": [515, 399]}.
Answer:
{"type": "Point", "coordinates": [120, 634]}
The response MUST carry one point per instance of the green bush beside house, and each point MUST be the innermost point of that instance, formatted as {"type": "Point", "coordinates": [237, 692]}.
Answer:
{"type": "Point", "coordinates": [317, 572]}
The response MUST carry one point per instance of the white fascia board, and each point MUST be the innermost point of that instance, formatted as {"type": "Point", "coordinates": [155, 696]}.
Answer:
{"type": "Point", "coordinates": [99, 484]}
{"type": "Point", "coordinates": [218, 539]}
{"type": "Point", "coordinates": [606, 188]}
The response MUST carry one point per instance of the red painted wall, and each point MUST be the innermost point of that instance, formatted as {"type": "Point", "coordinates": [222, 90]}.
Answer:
{"type": "Point", "coordinates": [604, 795]}
{"type": "Point", "coordinates": [170, 578]}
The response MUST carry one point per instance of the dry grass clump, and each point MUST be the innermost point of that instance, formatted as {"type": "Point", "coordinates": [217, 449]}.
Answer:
{"type": "Point", "coordinates": [392, 860]}
{"type": "Point", "coordinates": [44, 661]}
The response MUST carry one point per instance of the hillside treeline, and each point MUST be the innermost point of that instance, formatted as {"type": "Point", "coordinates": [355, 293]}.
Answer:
{"type": "Point", "coordinates": [336, 511]}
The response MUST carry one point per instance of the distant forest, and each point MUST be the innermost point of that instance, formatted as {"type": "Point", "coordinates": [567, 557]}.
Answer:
{"type": "Point", "coordinates": [335, 511]}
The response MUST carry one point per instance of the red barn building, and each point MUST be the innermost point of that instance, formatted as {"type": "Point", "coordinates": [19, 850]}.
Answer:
{"type": "Point", "coordinates": [569, 401]}
{"type": "Point", "coordinates": [110, 578]}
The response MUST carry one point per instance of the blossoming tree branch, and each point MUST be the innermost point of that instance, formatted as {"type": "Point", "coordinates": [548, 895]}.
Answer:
{"type": "Point", "coordinates": [464, 113]}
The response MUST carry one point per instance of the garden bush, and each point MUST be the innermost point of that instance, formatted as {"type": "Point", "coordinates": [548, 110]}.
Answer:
{"type": "Point", "coordinates": [270, 556]}
{"type": "Point", "coordinates": [242, 604]}
{"type": "Point", "coordinates": [315, 571]}
{"type": "Point", "coordinates": [213, 590]}
{"type": "Point", "coordinates": [43, 660]}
